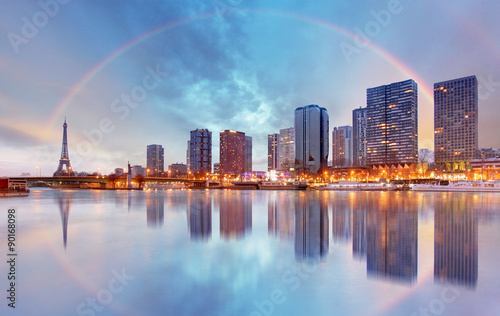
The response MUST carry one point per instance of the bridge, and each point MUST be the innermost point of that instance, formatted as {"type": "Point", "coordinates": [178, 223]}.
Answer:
{"type": "Point", "coordinates": [103, 180]}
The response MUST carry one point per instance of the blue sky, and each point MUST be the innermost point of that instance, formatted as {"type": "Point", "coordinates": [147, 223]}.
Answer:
{"type": "Point", "coordinates": [225, 64]}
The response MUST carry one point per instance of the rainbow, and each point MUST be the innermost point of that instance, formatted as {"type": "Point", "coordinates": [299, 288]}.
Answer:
{"type": "Point", "coordinates": [399, 65]}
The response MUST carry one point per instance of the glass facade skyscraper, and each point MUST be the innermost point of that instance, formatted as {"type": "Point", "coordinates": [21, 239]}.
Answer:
{"type": "Point", "coordinates": [286, 149]}
{"type": "Point", "coordinates": [342, 146]}
{"type": "Point", "coordinates": [272, 151]}
{"type": "Point", "coordinates": [359, 126]}
{"type": "Point", "coordinates": [248, 153]}
{"type": "Point", "coordinates": [392, 124]}
{"type": "Point", "coordinates": [200, 152]}
{"type": "Point", "coordinates": [311, 139]}
{"type": "Point", "coordinates": [456, 122]}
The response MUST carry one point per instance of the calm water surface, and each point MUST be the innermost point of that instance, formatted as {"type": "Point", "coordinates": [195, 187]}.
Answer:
{"type": "Point", "coordinates": [83, 252]}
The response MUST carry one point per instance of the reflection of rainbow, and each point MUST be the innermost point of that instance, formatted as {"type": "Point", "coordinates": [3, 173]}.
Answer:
{"type": "Point", "coordinates": [405, 70]}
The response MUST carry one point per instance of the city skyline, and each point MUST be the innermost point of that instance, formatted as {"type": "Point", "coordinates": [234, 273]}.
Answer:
{"type": "Point", "coordinates": [168, 68]}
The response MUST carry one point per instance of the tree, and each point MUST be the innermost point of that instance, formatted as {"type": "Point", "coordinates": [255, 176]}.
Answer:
{"type": "Point", "coordinates": [112, 179]}
{"type": "Point", "coordinates": [139, 179]}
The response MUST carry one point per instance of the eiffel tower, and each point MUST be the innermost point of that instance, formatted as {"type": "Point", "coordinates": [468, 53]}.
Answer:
{"type": "Point", "coordinates": [64, 161]}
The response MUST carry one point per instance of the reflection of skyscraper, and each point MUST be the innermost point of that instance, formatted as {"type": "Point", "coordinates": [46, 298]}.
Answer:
{"type": "Point", "coordinates": [64, 202]}
{"type": "Point", "coordinates": [359, 227]}
{"type": "Point", "coordinates": [280, 217]}
{"type": "Point", "coordinates": [342, 220]}
{"type": "Point", "coordinates": [455, 242]}
{"type": "Point", "coordinates": [199, 212]}
{"type": "Point", "coordinates": [391, 234]}
{"type": "Point", "coordinates": [235, 216]}
{"type": "Point", "coordinates": [155, 206]}
{"type": "Point", "coordinates": [311, 229]}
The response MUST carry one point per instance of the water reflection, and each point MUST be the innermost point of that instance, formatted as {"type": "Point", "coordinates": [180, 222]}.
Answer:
{"type": "Point", "coordinates": [199, 214]}
{"type": "Point", "coordinates": [456, 242]}
{"type": "Point", "coordinates": [155, 204]}
{"type": "Point", "coordinates": [235, 216]}
{"type": "Point", "coordinates": [64, 202]}
{"type": "Point", "coordinates": [392, 232]}
{"type": "Point", "coordinates": [359, 227]}
{"type": "Point", "coordinates": [342, 220]}
{"type": "Point", "coordinates": [280, 215]}
{"type": "Point", "coordinates": [311, 229]}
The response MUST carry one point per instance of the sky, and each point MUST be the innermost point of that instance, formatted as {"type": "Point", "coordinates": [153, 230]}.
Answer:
{"type": "Point", "coordinates": [126, 74]}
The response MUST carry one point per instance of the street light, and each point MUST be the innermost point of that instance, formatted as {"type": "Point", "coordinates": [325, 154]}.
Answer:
{"type": "Point", "coordinates": [98, 170]}
{"type": "Point", "coordinates": [37, 171]}
{"type": "Point", "coordinates": [147, 173]}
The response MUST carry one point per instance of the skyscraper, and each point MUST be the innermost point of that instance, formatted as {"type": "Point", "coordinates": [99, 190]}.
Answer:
{"type": "Point", "coordinates": [392, 130]}
{"type": "Point", "coordinates": [155, 160]}
{"type": "Point", "coordinates": [311, 139]}
{"type": "Point", "coordinates": [286, 149]}
{"type": "Point", "coordinates": [359, 126]}
{"type": "Point", "coordinates": [232, 152]}
{"type": "Point", "coordinates": [272, 151]}
{"type": "Point", "coordinates": [456, 122]}
{"type": "Point", "coordinates": [248, 153]}
{"type": "Point", "coordinates": [200, 152]}
{"type": "Point", "coordinates": [342, 146]}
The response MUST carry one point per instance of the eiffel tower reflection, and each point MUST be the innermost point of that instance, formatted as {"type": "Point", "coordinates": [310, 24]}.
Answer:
{"type": "Point", "coordinates": [64, 202]}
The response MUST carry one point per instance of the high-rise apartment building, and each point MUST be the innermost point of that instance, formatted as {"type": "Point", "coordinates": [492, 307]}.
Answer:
{"type": "Point", "coordinates": [272, 151]}
{"type": "Point", "coordinates": [392, 129]}
{"type": "Point", "coordinates": [311, 139]}
{"type": "Point", "coordinates": [456, 122]}
{"type": "Point", "coordinates": [200, 152]}
{"type": "Point", "coordinates": [248, 153]}
{"type": "Point", "coordinates": [232, 152]}
{"type": "Point", "coordinates": [286, 149]}
{"type": "Point", "coordinates": [342, 146]}
{"type": "Point", "coordinates": [155, 160]}
{"type": "Point", "coordinates": [359, 126]}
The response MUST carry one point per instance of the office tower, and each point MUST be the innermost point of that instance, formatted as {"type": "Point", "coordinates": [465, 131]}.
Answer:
{"type": "Point", "coordinates": [137, 169]}
{"type": "Point", "coordinates": [311, 229]}
{"type": "Point", "coordinates": [155, 160]}
{"type": "Point", "coordinates": [177, 170]}
{"type": "Point", "coordinates": [200, 152]}
{"type": "Point", "coordinates": [392, 131]}
{"type": "Point", "coordinates": [456, 242]}
{"type": "Point", "coordinates": [359, 126]}
{"type": "Point", "coordinates": [311, 139]}
{"type": "Point", "coordinates": [272, 151]}
{"type": "Point", "coordinates": [232, 152]}
{"type": "Point", "coordinates": [456, 122]}
{"type": "Point", "coordinates": [188, 155]}
{"type": "Point", "coordinates": [286, 149]}
{"type": "Point", "coordinates": [248, 154]}
{"type": "Point", "coordinates": [342, 146]}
